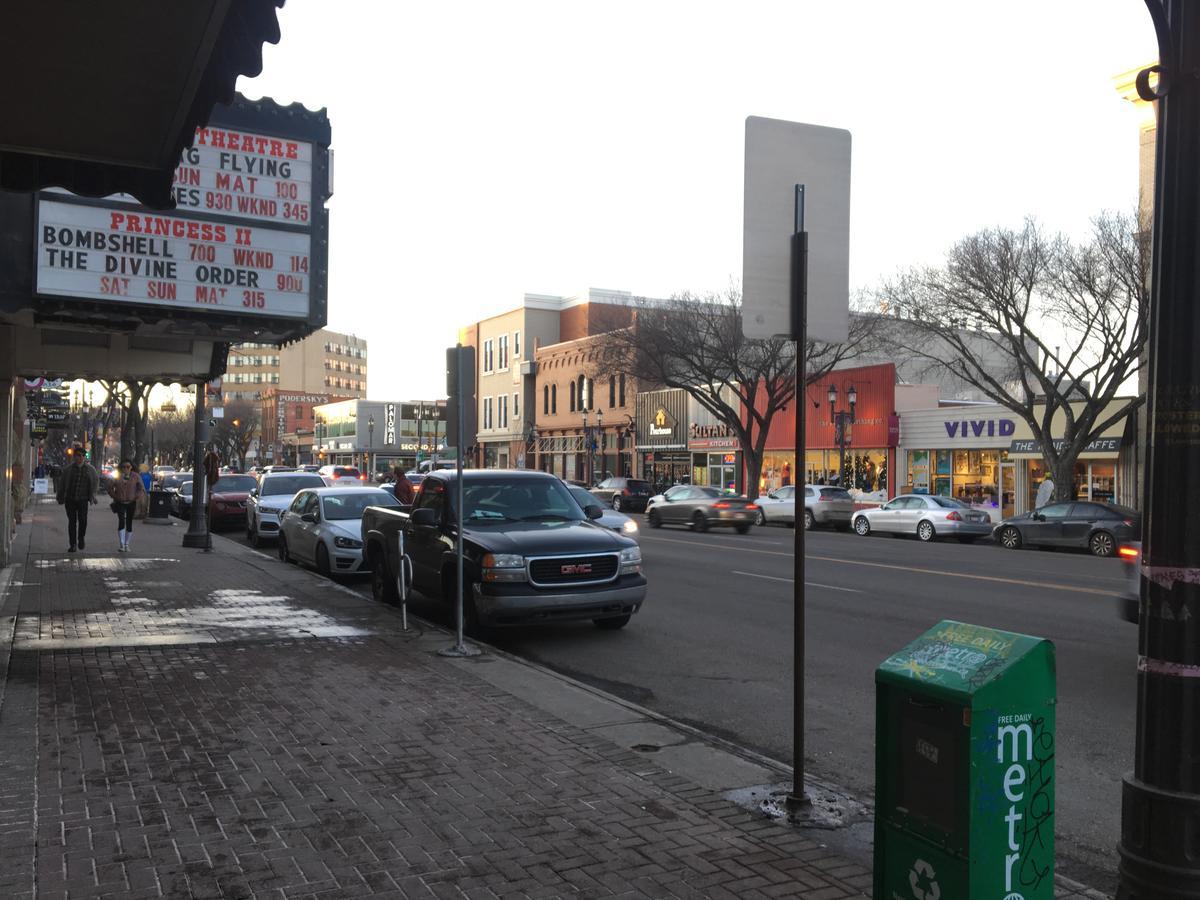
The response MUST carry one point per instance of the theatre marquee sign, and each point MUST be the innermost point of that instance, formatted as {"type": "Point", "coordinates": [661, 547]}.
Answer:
{"type": "Point", "coordinates": [247, 237]}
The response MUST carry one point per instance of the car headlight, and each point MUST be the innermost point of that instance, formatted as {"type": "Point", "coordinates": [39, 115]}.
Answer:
{"type": "Point", "coordinates": [629, 527]}
{"type": "Point", "coordinates": [269, 511]}
{"type": "Point", "coordinates": [347, 543]}
{"type": "Point", "coordinates": [503, 567]}
{"type": "Point", "coordinates": [631, 561]}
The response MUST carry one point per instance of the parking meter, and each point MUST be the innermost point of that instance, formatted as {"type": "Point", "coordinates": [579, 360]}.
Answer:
{"type": "Point", "coordinates": [964, 767]}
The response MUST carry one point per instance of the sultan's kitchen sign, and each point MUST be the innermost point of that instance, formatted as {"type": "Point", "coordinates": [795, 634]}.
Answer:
{"type": "Point", "coordinates": [711, 437]}
{"type": "Point", "coordinates": [239, 242]}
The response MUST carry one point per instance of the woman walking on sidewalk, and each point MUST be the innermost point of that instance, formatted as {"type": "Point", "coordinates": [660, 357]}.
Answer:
{"type": "Point", "coordinates": [125, 490]}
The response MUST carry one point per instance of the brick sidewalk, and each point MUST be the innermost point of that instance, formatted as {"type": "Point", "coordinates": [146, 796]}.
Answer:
{"type": "Point", "coordinates": [179, 724]}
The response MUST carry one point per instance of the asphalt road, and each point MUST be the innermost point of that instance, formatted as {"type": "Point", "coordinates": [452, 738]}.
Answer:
{"type": "Point", "coordinates": [713, 647]}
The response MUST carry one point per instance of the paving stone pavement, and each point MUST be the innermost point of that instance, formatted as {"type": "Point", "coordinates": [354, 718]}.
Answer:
{"type": "Point", "coordinates": [179, 724]}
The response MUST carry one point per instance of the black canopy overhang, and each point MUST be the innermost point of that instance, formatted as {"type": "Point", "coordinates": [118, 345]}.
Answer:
{"type": "Point", "coordinates": [101, 98]}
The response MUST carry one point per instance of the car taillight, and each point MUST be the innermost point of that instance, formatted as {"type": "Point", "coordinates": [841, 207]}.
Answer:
{"type": "Point", "coordinates": [823, 498]}
{"type": "Point", "coordinates": [362, 477]}
{"type": "Point", "coordinates": [1128, 553]}
{"type": "Point", "coordinates": [954, 517]}
{"type": "Point", "coordinates": [751, 506]}
{"type": "Point", "coordinates": [721, 505]}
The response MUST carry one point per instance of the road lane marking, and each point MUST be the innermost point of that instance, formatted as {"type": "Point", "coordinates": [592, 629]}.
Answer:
{"type": "Point", "coordinates": [875, 565]}
{"type": "Point", "coordinates": [831, 587]}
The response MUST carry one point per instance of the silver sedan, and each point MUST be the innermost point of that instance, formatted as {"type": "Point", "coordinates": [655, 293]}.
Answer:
{"type": "Point", "coordinates": [323, 527]}
{"type": "Point", "coordinates": [927, 516]}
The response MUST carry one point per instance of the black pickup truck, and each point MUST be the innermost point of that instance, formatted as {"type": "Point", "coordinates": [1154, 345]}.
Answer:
{"type": "Point", "coordinates": [531, 554]}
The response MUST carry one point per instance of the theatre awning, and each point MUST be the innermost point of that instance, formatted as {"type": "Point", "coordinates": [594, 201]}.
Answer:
{"type": "Point", "coordinates": [101, 98]}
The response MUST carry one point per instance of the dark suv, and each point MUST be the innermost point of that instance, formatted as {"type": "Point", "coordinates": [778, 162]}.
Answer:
{"type": "Point", "coordinates": [623, 494]}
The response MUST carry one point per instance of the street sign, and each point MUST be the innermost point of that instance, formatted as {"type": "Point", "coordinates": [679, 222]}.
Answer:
{"type": "Point", "coordinates": [56, 415]}
{"type": "Point", "coordinates": [779, 156]}
{"type": "Point", "coordinates": [39, 429]}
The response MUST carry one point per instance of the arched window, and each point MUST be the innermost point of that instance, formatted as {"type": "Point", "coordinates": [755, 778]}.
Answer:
{"type": "Point", "coordinates": [554, 399]}
{"type": "Point", "coordinates": [572, 396]}
{"type": "Point", "coordinates": [584, 399]}
{"type": "Point", "coordinates": [545, 399]}
{"type": "Point", "coordinates": [622, 390]}
{"type": "Point", "coordinates": [612, 391]}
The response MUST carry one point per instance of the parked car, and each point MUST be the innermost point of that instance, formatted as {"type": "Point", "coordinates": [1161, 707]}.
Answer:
{"type": "Point", "coordinates": [174, 482]}
{"type": "Point", "coordinates": [268, 470]}
{"type": "Point", "coordinates": [274, 494]}
{"type": "Point", "coordinates": [323, 527]}
{"type": "Point", "coordinates": [1080, 524]}
{"type": "Point", "coordinates": [227, 501]}
{"type": "Point", "coordinates": [823, 505]}
{"type": "Point", "coordinates": [347, 475]}
{"type": "Point", "coordinates": [531, 554]}
{"type": "Point", "coordinates": [701, 508]}
{"type": "Point", "coordinates": [1130, 599]}
{"type": "Point", "coordinates": [928, 516]}
{"type": "Point", "coordinates": [181, 501]}
{"type": "Point", "coordinates": [310, 467]}
{"type": "Point", "coordinates": [609, 518]}
{"type": "Point", "coordinates": [623, 493]}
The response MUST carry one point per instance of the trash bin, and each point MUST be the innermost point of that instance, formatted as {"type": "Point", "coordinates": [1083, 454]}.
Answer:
{"type": "Point", "coordinates": [160, 505]}
{"type": "Point", "coordinates": [964, 767]}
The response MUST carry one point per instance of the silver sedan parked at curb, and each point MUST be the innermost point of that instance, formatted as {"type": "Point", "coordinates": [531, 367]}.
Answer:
{"type": "Point", "coordinates": [928, 516]}
{"type": "Point", "coordinates": [323, 527]}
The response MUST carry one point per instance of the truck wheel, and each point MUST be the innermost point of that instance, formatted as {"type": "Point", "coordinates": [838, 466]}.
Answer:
{"type": "Point", "coordinates": [383, 586]}
{"type": "Point", "coordinates": [613, 623]}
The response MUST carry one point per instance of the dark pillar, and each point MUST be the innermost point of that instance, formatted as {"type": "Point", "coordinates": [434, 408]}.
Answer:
{"type": "Point", "coordinates": [197, 534]}
{"type": "Point", "coordinates": [1161, 798]}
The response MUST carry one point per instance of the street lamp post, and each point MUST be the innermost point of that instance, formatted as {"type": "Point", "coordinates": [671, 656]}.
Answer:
{"type": "Point", "coordinates": [1160, 797]}
{"type": "Point", "coordinates": [586, 473]}
{"type": "Point", "coordinates": [600, 429]}
{"type": "Point", "coordinates": [370, 446]}
{"type": "Point", "coordinates": [841, 419]}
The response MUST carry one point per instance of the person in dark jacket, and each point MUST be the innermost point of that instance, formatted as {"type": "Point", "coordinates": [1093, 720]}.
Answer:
{"type": "Point", "coordinates": [77, 491]}
{"type": "Point", "coordinates": [403, 488]}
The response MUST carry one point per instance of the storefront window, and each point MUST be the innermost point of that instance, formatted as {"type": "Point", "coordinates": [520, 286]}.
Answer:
{"type": "Point", "coordinates": [1103, 480]}
{"type": "Point", "coordinates": [975, 476]}
{"type": "Point", "coordinates": [778, 470]}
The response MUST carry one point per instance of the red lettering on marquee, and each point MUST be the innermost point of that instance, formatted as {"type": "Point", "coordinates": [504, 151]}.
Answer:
{"type": "Point", "coordinates": [223, 139]}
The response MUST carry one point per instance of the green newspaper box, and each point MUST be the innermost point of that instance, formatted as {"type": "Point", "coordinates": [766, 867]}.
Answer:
{"type": "Point", "coordinates": [964, 767]}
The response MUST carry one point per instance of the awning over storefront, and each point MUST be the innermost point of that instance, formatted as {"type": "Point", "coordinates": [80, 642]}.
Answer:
{"type": "Point", "coordinates": [101, 98]}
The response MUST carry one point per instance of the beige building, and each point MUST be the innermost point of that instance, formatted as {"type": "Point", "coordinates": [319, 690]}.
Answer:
{"type": "Point", "coordinates": [505, 371]}
{"type": "Point", "coordinates": [324, 362]}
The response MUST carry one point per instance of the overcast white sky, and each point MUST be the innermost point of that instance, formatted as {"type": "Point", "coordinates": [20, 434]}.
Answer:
{"type": "Point", "coordinates": [484, 149]}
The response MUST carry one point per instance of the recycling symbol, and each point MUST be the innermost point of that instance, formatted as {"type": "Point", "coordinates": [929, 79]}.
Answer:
{"type": "Point", "coordinates": [923, 881]}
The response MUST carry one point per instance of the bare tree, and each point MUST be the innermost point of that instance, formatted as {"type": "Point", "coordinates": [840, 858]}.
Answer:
{"type": "Point", "coordinates": [696, 344]}
{"type": "Point", "coordinates": [174, 431]}
{"type": "Point", "coordinates": [235, 431]}
{"type": "Point", "coordinates": [131, 399]}
{"type": "Point", "coordinates": [1070, 317]}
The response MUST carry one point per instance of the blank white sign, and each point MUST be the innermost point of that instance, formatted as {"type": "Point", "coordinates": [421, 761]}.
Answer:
{"type": "Point", "coordinates": [779, 156]}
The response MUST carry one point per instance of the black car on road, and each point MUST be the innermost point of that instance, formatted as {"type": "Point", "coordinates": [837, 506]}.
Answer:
{"type": "Point", "coordinates": [531, 554]}
{"type": "Point", "coordinates": [623, 494]}
{"type": "Point", "coordinates": [1080, 524]}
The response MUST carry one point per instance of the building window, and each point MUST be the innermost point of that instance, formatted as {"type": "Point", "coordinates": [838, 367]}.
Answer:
{"type": "Point", "coordinates": [554, 399]}
{"type": "Point", "coordinates": [502, 405]}
{"type": "Point", "coordinates": [612, 391]}
{"type": "Point", "coordinates": [299, 412]}
{"type": "Point", "coordinates": [487, 356]}
{"type": "Point", "coordinates": [585, 396]}
{"type": "Point", "coordinates": [621, 382]}
{"type": "Point", "coordinates": [503, 352]}
{"type": "Point", "coordinates": [487, 412]}
{"type": "Point", "coordinates": [516, 407]}
{"type": "Point", "coordinates": [517, 346]}
{"type": "Point", "coordinates": [572, 396]}
{"type": "Point", "coordinates": [545, 399]}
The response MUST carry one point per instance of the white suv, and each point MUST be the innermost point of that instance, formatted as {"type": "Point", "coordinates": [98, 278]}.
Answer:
{"type": "Point", "coordinates": [344, 475]}
{"type": "Point", "coordinates": [272, 496]}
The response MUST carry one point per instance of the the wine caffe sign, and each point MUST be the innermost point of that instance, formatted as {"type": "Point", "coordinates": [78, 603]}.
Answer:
{"type": "Point", "coordinates": [249, 215]}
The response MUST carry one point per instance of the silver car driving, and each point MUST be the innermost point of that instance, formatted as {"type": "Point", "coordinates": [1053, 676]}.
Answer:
{"type": "Point", "coordinates": [928, 516]}
{"type": "Point", "coordinates": [701, 508]}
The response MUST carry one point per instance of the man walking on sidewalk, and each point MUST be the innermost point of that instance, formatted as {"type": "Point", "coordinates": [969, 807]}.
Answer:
{"type": "Point", "coordinates": [76, 491]}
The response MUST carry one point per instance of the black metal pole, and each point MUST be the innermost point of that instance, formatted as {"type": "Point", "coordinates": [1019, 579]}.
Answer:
{"type": "Point", "coordinates": [197, 533]}
{"type": "Point", "coordinates": [798, 800]}
{"type": "Point", "coordinates": [1161, 798]}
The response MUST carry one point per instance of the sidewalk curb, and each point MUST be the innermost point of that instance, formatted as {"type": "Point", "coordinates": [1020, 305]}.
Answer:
{"type": "Point", "coordinates": [722, 744]}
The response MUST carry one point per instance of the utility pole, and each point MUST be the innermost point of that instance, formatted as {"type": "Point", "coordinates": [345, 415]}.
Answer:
{"type": "Point", "coordinates": [1161, 797]}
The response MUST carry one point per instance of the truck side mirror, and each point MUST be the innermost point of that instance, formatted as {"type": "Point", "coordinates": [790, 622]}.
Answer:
{"type": "Point", "coordinates": [424, 517]}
